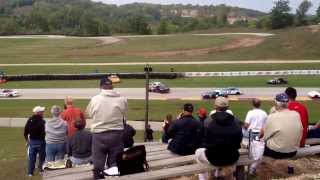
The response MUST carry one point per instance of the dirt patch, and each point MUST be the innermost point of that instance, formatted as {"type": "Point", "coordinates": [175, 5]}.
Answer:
{"type": "Point", "coordinates": [106, 40]}
{"type": "Point", "coordinates": [313, 28]}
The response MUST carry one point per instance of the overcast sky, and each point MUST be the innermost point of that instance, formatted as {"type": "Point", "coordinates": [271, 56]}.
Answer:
{"type": "Point", "coordinates": [262, 5]}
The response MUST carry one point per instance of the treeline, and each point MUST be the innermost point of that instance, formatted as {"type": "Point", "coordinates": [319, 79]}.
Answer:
{"type": "Point", "coordinates": [87, 18]}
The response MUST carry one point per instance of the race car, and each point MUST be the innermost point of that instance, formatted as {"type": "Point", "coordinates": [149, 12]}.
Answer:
{"type": "Point", "coordinates": [213, 94]}
{"type": "Point", "coordinates": [9, 93]}
{"type": "Point", "coordinates": [230, 91]}
{"type": "Point", "coordinates": [158, 87]}
{"type": "Point", "coordinates": [314, 94]}
{"type": "Point", "coordinates": [276, 81]}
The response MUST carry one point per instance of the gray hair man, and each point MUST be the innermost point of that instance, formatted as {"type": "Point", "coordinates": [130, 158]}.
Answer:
{"type": "Point", "coordinates": [108, 110]}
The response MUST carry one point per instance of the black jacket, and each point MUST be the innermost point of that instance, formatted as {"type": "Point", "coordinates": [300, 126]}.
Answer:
{"type": "Point", "coordinates": [222, 139]}
{"type": "Point", "coordinates": [35, 128]}
{"type": "Point", "coordinates": [186, 136]}
{"type": "Point", "coordinates": [79, 145]}
{"type": "Point", "coordinates": [128, 134]}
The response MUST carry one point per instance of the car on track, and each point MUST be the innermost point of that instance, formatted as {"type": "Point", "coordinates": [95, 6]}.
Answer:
{"type": "Point", "coordinates": [213, 94]}
{"type": "Point", "coordinates": [158, 87]}
{"type": "Point", "coordinates": [276, 81]}
{"type": "Point", "coordinates": [314, 94]}
{"type": "Point", "coordinates": [9, 93]}
{"type": "Point", "coordinates": [230, 91]}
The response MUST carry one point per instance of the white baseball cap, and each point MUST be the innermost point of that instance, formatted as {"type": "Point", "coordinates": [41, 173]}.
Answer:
{"type": "Point", "coordinates": [38, 109]}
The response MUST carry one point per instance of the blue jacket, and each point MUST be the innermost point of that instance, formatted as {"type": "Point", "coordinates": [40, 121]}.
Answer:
{"type": "Point", "coordinates": [186, 135]}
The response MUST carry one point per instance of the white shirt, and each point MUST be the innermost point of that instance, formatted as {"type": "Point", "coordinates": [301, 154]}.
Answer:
{"type": "Point", "coordinates": [256, 118]}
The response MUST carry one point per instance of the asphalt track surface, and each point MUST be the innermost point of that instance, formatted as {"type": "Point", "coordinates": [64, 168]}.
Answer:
{"type": "Point", "coordinates": [139, 93]}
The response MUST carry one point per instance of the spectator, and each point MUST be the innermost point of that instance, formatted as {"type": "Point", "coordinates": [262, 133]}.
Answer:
{"type": "Point", "coordinates": [70, 114]}
{"type": "Point", "coordinates": [222, 139]}
{"type": "Point", "coordinates": [108, 111]}
{"type": "Point", "coordinates": [166, 124]}
{"type": "Point", "coordinates": [255, 120]}
{"type": "Point", "coordinates": [56, 133]}
{"type": "Point", "coordinates": [283, 130]}
{"type": "Point", "coordinates": [79, 145]}
{"type": "Point", "coordinates": [128, 134]}
{"type": "Point", "coordinates": [301, 109]}
{"type": "Point", "coordinates": [149, 132]}
{"type": "Point", "coordinates": [185, 133]}
{"type": "Point", "coordinates": [314, 132]}
{"type": "Point", "coordinates": [202, 115]}
{"type": "Point", "coordinates": [34, 134]}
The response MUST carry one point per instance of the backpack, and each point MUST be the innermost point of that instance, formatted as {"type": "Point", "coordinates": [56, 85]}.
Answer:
{"type": "Point", "coordinates": [133, 160]}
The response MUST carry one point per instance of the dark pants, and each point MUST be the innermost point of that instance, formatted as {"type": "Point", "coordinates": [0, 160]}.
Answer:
{"type": "Point", "coordinates": [106, 145]}
{"type": "Point", "coordinates": [36, 147]}
{"type": "Point", "coordinates": [314, 133]}
{"type": "Point", "coordinates": [277, 155]}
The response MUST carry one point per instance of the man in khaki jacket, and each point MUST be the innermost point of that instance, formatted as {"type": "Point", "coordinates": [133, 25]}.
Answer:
{"type": "Point", "coordinates": [283, 130]}
{"type": "Point", "coordinates": [108, 110]}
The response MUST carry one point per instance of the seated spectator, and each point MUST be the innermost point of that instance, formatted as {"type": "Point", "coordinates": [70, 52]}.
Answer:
{"type": "Point", "coordinates": [56, 133]}
{"type": "Point", "coordinates": [70, 114]}
{"type": "Point", "coordinates": [34, 134]}
{"type": "Point", "coordinates": [283, 130]}
{"type": "Point", "coordinates": [185, 133]}
{"type": "Point", "coordinates": [223, 137]}
{"type": "Point", "coordinates": [149, 131]}
{"type": "Point", "coordinates": [255, 120]}
{"type": "Point", "coordinates": [166, 124]}
{"type": "Point", "coordinates": [128, 134]}
{"type": "Point", "coordinates": [79, 145]}
{"type": "Point", "coordinates": [301, 109]}
{"type": "Point", "coordinates": [314, 132]}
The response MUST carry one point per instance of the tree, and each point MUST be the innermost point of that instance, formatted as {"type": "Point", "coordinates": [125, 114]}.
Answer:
{"type": "Point", "coordinates": [318, 13]}
{"type": "Point", "coordinates": [280, 15]}
{"type": "Point", "coordinates": [163, 27]}
{"type": "Point", "coordinates": [301, 13]}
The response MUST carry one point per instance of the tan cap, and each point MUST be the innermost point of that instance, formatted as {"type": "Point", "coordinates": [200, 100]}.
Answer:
{"type": "Point", "coordinates": [38, 109]}
{"type": "Point", "coordinates": [221, 102]}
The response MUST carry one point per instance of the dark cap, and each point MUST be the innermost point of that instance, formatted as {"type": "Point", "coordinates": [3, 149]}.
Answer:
{"type": "Point", "coordinates": [282, 97]}
{"type": "Point", "coordinates": [188, 107]}
{"type": "Point", "coordinates": [105, 82]}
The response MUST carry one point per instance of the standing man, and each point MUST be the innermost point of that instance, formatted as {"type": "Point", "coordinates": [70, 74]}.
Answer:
{"type": "Point", "coordinates": [34, 134]}
{"type": "Point", "coordinates": [108, 111]}
{"type": "Point", "coordinates": [255, 119]}
{"type": "Point", "coordinates": [301, 109]}
{"type": "Point", "coordinates": [186, 133]}
{"type": "Point", "coordinates": [71, 114]}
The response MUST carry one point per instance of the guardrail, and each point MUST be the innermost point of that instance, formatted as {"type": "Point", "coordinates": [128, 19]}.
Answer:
{"type": "Point", "coordinates": [252, 73]}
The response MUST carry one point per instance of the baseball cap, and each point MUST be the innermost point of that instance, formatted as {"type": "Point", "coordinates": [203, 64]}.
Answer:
{"type": "Point", "coordinates": [188, 107]}
{"type": "Point", "coordinates": [282, 97]}
{"type": "Point", "coordinates": [38, 109]}
{"type": "Point", "coordinates": [105, 81]}
{"type": "Point", "coordinates": [221, 102]}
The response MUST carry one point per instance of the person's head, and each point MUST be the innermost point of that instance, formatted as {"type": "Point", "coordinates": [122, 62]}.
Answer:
{"type": "Point", "coordinates": [281, 101]}
{"type": "Point", "coordinates": [68, 101]}
{"type": "Point", "coordinates": [169, 118]}
{"type": "Point", "coordinates": [106, 83]}
{"type": "Point", "coordinates": [256, 103]}
{"type": "Point", "coordinates": [55, 111]}
{"type": "Point", "coordinates": [79, 124]}
{"type": "Point", "coordinates": [39, 110]}
{"type": "Point", "coordinates": [187, 109]}
{"type": "Point", "coordinates": [221, 104]}
{"type": "Point", "coordinates": [202, 112]}
{"type": "Point", "coordinates": [291, 93]}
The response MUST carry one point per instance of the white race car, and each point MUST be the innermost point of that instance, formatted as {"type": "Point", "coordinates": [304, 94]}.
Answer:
{"type": "Point", "coordinates": [314, 94]}
{"type": "Point", "coordinates": [9, 93]}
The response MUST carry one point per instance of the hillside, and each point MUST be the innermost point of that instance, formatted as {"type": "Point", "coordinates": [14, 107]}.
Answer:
{"type": "Point", "coordinates": [87, 18]}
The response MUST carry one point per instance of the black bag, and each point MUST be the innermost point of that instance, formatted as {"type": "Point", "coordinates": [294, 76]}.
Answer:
{"type": "Point", "coordinates": [133, 160]}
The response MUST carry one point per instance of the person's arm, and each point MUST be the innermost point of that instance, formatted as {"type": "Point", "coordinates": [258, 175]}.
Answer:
{"type": "Point", "coordinates": [89, 110]}
{"type": "Point", "coordinates": [27, 131]}
{"type": "Point", "coordinates": [172, 129]}
{"type": "Point", "coordinates": [83, 118]}
{"type": "Point", "coordinates": [269, 130]}
{"type": "Point", "coordinates": [247, 121]}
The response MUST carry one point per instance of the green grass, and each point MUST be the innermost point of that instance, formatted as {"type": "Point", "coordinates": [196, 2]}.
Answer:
{"type": "Point", "coordinates": [258, 81]}
{"type": "Point", "coordinates": [13, 157]}
{"type": "Point", "coordinates": [157, 68]}
{"type": "Point", "coordinates": [158, 108]}
{"type": "Point", "coordinates": [290, 44]}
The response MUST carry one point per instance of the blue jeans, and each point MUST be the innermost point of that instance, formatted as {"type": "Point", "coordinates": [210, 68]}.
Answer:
{"type": "Point", "coordinates": [55, 152]}
{"type": "Point", "coordinates": [36, 147]}
{"type": "Point", "coordinates": [314, 133]}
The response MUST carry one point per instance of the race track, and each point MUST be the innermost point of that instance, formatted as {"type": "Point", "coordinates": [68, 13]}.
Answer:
{"type": "Point", "coordinates": [139, 93]}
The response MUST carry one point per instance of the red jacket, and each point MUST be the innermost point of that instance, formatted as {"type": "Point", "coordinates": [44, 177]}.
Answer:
{"type": "Point", "coordinates": [303, 112]}
{"type": "Point", "coordinates": [70, 115]}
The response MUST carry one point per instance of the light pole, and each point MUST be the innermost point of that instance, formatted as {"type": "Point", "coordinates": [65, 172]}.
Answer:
{"type": "Point", "coordinates": [147, 70]}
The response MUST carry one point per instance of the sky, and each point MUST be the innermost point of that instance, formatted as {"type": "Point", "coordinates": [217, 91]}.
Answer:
{"type": "Point", "coordinates": [261, 5]}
